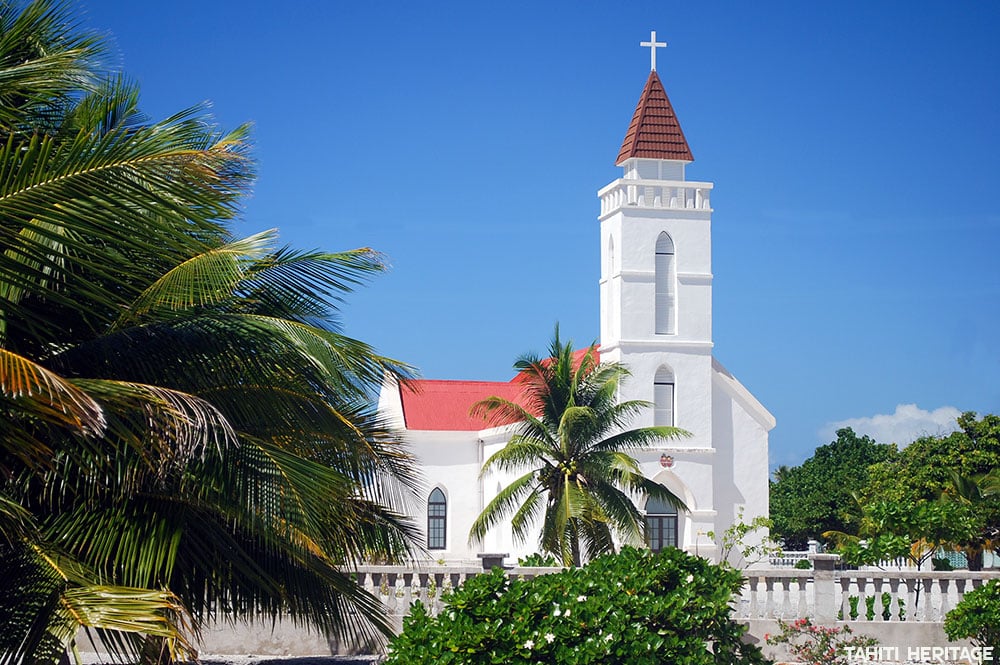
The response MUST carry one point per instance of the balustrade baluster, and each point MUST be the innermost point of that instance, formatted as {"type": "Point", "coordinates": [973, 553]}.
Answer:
{"type": "Point", "coordinates": [879, 607]}
{"type": "Point", "coordinates": [894, 600]}
{"type": "Point", "coordinates": [752, 611]}
{"type": "Point", "coordinates": [959, 589]}
{"type": "Point", "coordinates": [769, 609]}
{"type": "Point", "coordinates": [786, 597]}
{"type": "Point", "coordinates": [863, 594]}
{"type": "Point", "coordinates": [944, 585]}
{"type": "Point", "coordinates": [912, 598]}
{"type": "Point", "coordinates": [928, 613]}
{"type": "Point", "coordinates": [845, 598]}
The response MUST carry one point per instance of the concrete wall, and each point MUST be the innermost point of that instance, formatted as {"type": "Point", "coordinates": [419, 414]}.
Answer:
{"type": "Point", "coordinates": [894, 638]}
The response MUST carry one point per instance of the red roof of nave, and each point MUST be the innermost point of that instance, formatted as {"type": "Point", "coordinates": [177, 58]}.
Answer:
{"type": "Point", "coordinates": [655, 132]}
{"type": "Point", "coordinates": [430, 404]}
{"type": "Point", "coordinates": [438, 405]}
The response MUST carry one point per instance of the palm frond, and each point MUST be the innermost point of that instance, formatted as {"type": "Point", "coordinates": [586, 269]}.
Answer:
{"type": "Point", "coordinates": [519, 452]}
{"type": "Point", "coordinates": [49, 598]}
{"type": "Point", "coordinates": [201, 281]}
{"type": "Point", "coordinates": [33, 398]}
{"type": "Point", "coordinates": [500, 506]}
{"type": "Point", "coordinates": [176, 424]}
{"type": "Point", "coordinates": [45, 58]}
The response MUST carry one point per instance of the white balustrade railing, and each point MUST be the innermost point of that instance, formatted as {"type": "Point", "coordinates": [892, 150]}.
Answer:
{"type": "Point", "coordinates": [857, 595]}
{"type": "Point", "coordinates": [823, 594]}
{"type": "Point", "coordinates": [671, 194]}
{"type": "Point", "coordinates": [398, 587]}
{"type": "Point", "coordinates": [788, 559]}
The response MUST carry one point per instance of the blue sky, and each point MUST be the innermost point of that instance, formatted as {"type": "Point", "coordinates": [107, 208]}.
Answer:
{"type": "Point", "coordinates": [854, 147]}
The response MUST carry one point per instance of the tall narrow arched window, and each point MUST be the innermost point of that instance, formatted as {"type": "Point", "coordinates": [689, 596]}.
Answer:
{"type": "Point", "coordinates": [437, 518]}
{"type": "Point", "coordinates": [661, 525]}
{"type": "Point", "coordinates": [663, 398]}
{"type": "Point", "coordinates": [666, 297]}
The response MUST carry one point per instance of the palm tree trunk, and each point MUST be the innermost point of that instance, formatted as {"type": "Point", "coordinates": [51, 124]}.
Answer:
{"type": "Point", "coordinates": [974, 556]}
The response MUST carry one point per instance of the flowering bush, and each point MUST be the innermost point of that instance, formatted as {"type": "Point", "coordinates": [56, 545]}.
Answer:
{"type": "Point", "coordinates": [818, 645]}
{"type": "Point", "coordinates": [632, 607]}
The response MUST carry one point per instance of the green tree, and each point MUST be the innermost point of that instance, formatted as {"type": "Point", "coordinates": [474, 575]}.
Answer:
{"type": "Point", "coordinates": [817, 496]}
{"type": "Point", "coordinates": [892, 530]}
{"type": "Point", "coordinates": [928, 469]}
{"type": "Point", "coordinates": [572, 437]}
{"type": "Point", "coordinates": [185, 431]}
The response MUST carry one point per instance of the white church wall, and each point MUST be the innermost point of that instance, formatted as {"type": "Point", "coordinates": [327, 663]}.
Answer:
{"type": "Point", "coordinates": [501, 539]}
{"type": "Point", "coordinates": [450, 461]}
{"type": "Point", "coordinates": [690, 233]}
{"type": "Point", "coordinates": [694, 322]}
{"type": "Point", "coordinates": [636, 233]}
{"type": "Point", "coordinates": [390, 404]}
{"type": "Point", "coordinates": [742, 438]}
{"type": "Point", "coordinates": [692, 389]}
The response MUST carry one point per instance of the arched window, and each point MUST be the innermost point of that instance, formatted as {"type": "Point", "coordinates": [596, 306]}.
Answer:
{"type": "Point", "coordinates": [661, 525]}
{"type": "Point", "coordinates": [663, 398]}
{"type": "Point", "coordinates": [666, 306]}
{"type": "Point", "coordinates": [437, 517]}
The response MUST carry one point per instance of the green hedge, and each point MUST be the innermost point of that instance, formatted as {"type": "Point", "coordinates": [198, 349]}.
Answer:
{"type": "Point", "coordinates": [632, 607]}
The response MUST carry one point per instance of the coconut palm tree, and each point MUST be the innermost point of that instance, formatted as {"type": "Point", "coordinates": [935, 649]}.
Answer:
{"type": "Point", "coordinates": [186, 432]}
{"type": "Point", "coordinates": [980, 494]}
{"type": "Point", "coordinates": [572, 439]}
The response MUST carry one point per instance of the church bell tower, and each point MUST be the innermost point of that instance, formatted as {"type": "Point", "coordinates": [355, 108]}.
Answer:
{"type": "Point", "coordinates": [656, 270]}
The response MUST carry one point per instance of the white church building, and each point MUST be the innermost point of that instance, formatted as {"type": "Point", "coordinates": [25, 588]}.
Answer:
{"type": "Point", "coordinates": [656, 319]}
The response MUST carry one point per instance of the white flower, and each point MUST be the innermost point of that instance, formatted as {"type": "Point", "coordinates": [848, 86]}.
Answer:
{"type": "Point", "coordinates": [530, 644]}
{"type": "Point", "coordinates": [549, 637]}
{"type": "Point", "coordinates": [608, 637]}
{"type": "Point", "coordinates": [567, 612]}
{"type": "Point", "coordinates": [689, 578]}
{"type": "Point", "coordinates": [556, 612]}
{"type": "Point", "coordinates": [580, 599]}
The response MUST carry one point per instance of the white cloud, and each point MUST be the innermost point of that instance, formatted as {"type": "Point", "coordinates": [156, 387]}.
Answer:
{"type": "Point", "coordinates": [903, 427]}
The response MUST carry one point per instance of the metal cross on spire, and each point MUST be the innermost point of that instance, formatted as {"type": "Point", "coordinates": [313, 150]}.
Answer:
{"type": "Point", "coordinates": [653, 45]}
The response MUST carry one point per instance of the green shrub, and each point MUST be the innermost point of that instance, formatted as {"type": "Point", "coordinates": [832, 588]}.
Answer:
{"type": "Point", "coordinates": [536, 560]}
{"type": "Point", "coordinates": [803, 564]}
{"type": "Point", "coordinates": [886, 605]}
{"type": "Point", "coordinates": [633, 607]}
{"type": "Point", "coordinates": [942, 563]}
{"type": "Point", "coordinates": [870, 608]}
{"type": "Point", "coordinates": [977, 617]}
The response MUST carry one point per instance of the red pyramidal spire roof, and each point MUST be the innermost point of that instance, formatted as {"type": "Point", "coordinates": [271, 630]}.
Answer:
{"type": "Point", "coordinates": [655, 132]}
